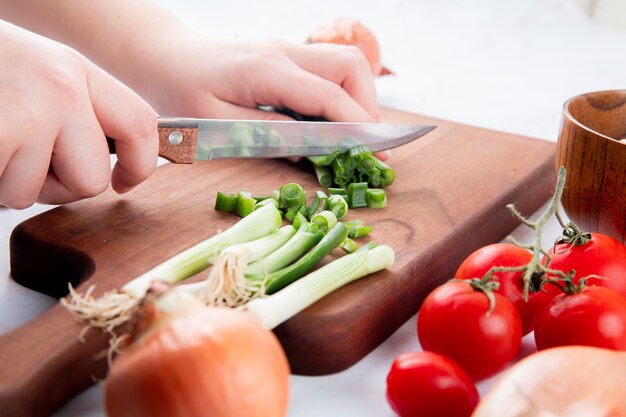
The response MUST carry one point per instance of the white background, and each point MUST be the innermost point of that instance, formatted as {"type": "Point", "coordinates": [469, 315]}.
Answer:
{"type": "Point", "coordinates": [501, 64]}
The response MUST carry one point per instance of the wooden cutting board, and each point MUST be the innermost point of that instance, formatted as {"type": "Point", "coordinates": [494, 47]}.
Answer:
{"type": "Point", "coordinates": [448, 200]}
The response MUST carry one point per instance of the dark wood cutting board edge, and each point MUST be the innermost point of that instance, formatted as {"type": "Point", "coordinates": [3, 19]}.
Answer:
{"type": "Point", "coordinates": [449, 199]}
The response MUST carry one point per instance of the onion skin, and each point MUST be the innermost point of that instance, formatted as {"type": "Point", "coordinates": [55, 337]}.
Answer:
{"type": "Point", "coordinates": [351, 32]}
{"type": "Point", "coordinates": [201, 362]}
{"type": "Point", "coordinates": [571, 381]}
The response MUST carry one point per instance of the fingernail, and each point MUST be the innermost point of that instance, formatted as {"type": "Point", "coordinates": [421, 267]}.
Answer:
{"type": "Point", "coordinates": [383, 155]}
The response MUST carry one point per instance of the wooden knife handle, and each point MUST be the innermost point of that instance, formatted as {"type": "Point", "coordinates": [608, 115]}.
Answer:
{"type": "Point", "coordinates": [177, 141]}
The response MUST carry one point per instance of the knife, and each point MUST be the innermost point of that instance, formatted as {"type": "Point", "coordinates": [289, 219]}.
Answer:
{"type": "Point", "coordinates": [184, 140]}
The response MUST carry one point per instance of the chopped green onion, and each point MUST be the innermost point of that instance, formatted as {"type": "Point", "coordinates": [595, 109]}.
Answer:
{"type": "Point", "coordinates": [375, 177]}
{"type": "Point", "coordinates": [291, 195]}
{"type": "Point", "coordinates": [367, 162]}
{"type": "Point", "coordinates": [292, 212]}
{"type": "Point", "coordinates": [349, 245]}
{"type": "Point", "coordinates": [225, 202]}
{"type": "Point", "coordinates": [284, 304]}
{"type": "Point", "coordinates": [388, 175]}
{"type": "Point", "coordinates": [338, 205]}
{"type": "Point", "coordinates": [280, 279]}
{"type": "Point", "coordinates": [245, 203]}
{"type": "Point", "coordinates": [324, 160]}
{"type": "Point", "coordinates": [324, 176]}
{"type": "Point", "coordinates": [267, 201]}
{"type": "Point", "coordinates": [275, 195]}
{"type": "Point", "coordinates": [368, 246]}
{"type": "Point", "coordinates": [199, 257]}
{"type": "Point", "coordinates": [299, 220]}
{"type": "Point", "coordinates": [322, 204]}
{"type": "Point", "coordinates": [326, 220]}
{"type": "Point", "coordinates": [376, 198]}
{"type": "Point", "coordinates": [356, 229]}
{"type": "Point", "coordinates": [337, 191]}
{"type": "Point", "coordinates": [304, 239]}
{"type": "Point", "coordinates": [357, 192]}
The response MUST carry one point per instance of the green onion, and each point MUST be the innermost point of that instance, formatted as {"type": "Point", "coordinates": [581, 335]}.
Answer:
{"type": "Point", "coordinates": [375, 177]}
{"type": "Point", "coordinates": [286, 303]}
{"type": "Point", "coordinates": [388, 175]}
{"type": "Point", "coordinates": [291, 195]}
{"type": "Point", "coordinates": [245, 203]}
{"type": "Point", "coordinates": [368, 246]}
{"type": "Point", "coordinates": [324, 160]}
{"type": "Point", "coordinates": [299, 220]}
{"type": "Point", "coordinates": [225, 202]}
{"type": "Point", "coordinates": [338, 205]}
{"type": "Point", "coordinates": [338, 191]}
{"type": "Point", "coordinates": [199, 257]}
{"type": "Point", "coordinates": [324, 176]}
{"type": "Point", "coordinates": [319, 204]}
{"type": "Point", "coordinates": [267, 201]}
{"type": "Point", "coordinates": [305, 238]}
{"type": "Point", "coordinates": [376, 198]}
{"type": "Point", "coordinates": [241, 135]}
{"type": "Point", "coordinates": [280, 279]}
{"type": "Point", "coordinates": [357, 192]}
{"type": "Point", "coordinates": [262, 247]}
{"type": "Point", "coordinates": [326, 220]}
{"type": "Point", "coordinates": [356, 229]}
{"type": "Point", "coordinates": [349, 245]}
{"type": "Point", "coordinates": [367, 162]}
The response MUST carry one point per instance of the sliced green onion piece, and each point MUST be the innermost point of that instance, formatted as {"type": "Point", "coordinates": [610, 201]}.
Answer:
{"type": "Point", "coordinates": [374, 177]}
{"type": "Point", "coordinates": [275, 195]}
{"type": "Point", "coordinates": [291, 195]}
{"type": "Point", "coordinates": [368, 246]}
{"type": "Point", "coordinates": [294, 248]}
{"type": "Point", "coordinates": [360, 232]}
{"type": "Point", "coordinates": [337, 191]}
{"type": "Point", "coordinates": [349, 245]}
{"type": "Point", "coordinates": [292, 212]}
{"type": "Point", "coordinates": [324, 160]}
{"type": "Point", "coordinates": [245, 203]}
{"type": "Point", "coordinates": [199, 257]}
{"type": "Point", "coordinates": [326, 220]}
{"type": "Point", "coordinates": [277, 308]}
{"type": "Point", "coordinates": [338, 205]}
{"type": "Point", "coordinates": [388, 175]}
{"type": "Point", "coordinates": [225, 202]}
{"type": "Point", "coordinates": [357, 192]}
{"type": "Point", "coordinates": [322, 205]}
{"type": "Point", "coordinates": [376, 198]}
{"type": "Point", "coordinates": [280, 279]}
{"type": "Point", "coordinates": [367, 162]}
{"type": "Point", "coordinates": [299, 220]}
{"type": "Point", "coordinates": [315, 203]}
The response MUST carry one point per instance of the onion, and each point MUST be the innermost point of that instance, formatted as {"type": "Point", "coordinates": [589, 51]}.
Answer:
{"type": "Point", "coordinates": [352, 32]}
{"type": "Point", "coordinates": [198, 361]}
{"type": "Point", "coordinates": [571, 381]}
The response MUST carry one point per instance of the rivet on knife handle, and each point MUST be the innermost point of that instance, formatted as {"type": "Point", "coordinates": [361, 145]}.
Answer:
{"type": "Point", "coordinates": [177, 141]}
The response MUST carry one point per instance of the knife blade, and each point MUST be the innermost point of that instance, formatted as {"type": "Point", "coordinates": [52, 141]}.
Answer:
{"type": "Point", "coordinates": [184, 140]}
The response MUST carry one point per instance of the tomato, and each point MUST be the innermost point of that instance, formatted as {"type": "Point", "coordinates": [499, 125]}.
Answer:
{"type": "Point", "coordinates": [511, 283]}
{"type": "Point", "coordinates": [454, 322]}
{"type": "Point", "coordinates": [596, 316]}
{"type": "Point", "coordinates": [425, 384]}
{"type": "Point", "coordinates": [602, 255]}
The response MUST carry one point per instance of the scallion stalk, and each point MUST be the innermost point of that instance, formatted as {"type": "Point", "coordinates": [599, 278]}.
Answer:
{"type": "Point", "coordinates": [357, 192]}
{"type": "Point", "coordinates": [225, 202]}
{"type": "Point", "coordinates": [349, 245]}
{"type": "Point", "coordinates": [280, 279]}
{"type": "Point", "coordinates": [304, 239]}
{"type": "Point", "coordinates": [376, 198]}
{"type": "Point", "coordinates": [326, 220]}
{"type": "Point", "coordinates": [199, 257]}
{"type": "Point", "coordinates": [265, 202]}
{"type": "Point", "coordinates": [245, 203]}
{"type": "Point", "coordinates": [338, 191]}
{"type": "Point", "coordinates": [387, 176]}
{"type": "Point", "coordinates": [324, 176]}
{"type": "Point", "coordinates": [324, 160]}
{"type": "Point", "coordinates": [262, 247]}
{"type": "Point", "coordinates": [319, 204]}
{"type": "Point", "coordinates": [291, 195]}
{"type": "Point", "coordinates": [338, 205]}
{"type": "Point", "coordinates": [286, 303]}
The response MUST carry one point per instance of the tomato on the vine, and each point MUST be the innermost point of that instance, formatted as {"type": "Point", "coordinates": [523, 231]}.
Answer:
{"type": "Point", "coordinates": [455, 321]}
{"type": "Point", "coordinates": [601, 255]}
{"type": "Point", "coordinates": [594, 316]}
{"type": "Point", "coordinates": [425, 384]}
{"type": "Point", "coordinates": [511, 286]}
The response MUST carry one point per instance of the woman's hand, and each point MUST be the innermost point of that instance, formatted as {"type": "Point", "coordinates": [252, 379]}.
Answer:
{"type": "Point", "coordinates": [186, 74]}
{"type": "Point", "coordinates": [56, 108]}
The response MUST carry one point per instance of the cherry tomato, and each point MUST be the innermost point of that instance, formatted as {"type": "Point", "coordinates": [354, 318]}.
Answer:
{"type": "Point", "coordinates": [602, 255]}
{"type": "Point", "coordinates": [596, 316]}
{"type": "Point", "coordinates": [424, 384]}
{"type": "Point", "coordinates": [454, 322]}
{"type": "Point", "coordinates": [511, 283]}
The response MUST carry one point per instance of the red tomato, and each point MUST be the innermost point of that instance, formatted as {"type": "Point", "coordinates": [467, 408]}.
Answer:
{"type": "Point", "coordinates": [602, 255]}
{"type": "Point", "coordinates": [511, 283]}
{"type": "Point", "coordinates": [425, 384]}
{"type": "Point", "coordinates": [594, 317]}
{"type": "Point", "coordinates": [453, 321]}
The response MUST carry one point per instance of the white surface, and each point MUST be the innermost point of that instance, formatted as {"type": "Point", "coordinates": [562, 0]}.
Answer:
{"type": "Point", "coordinates": [502, 64]}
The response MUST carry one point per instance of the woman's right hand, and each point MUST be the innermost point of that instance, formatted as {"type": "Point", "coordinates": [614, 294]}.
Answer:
{"type": "Point", "coordinates": [56, 108]}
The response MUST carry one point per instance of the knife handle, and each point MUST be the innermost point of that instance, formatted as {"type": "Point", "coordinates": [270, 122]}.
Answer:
{"type": "Point", "coordinates": [177, 141]}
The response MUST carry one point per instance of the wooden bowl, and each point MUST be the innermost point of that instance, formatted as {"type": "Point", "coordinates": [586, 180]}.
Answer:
{"type": "Point", "coordinates": [592, 147]}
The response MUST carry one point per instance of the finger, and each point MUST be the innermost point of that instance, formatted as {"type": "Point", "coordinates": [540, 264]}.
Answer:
{"type": "Point", "coordinates": [343, 65]}
{"type": "Point", "coordinates": [125, 117]}
{"type": "Point", "coordinates": [23, 176]}
{"type": "Point", "coordinates": [309, 94]}
{"type": "Point", "coordinates": [80, 164]}
{"type": "Point", "coordinates": [232, 111]}
{"type": "Point", "coordinates": [383, 155]}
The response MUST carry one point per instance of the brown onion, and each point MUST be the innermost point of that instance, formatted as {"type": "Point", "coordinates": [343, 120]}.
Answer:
{"type": "Point", "coordinates": [351, 32]}
{"type": "Point", "coordinates": [201, 361]}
